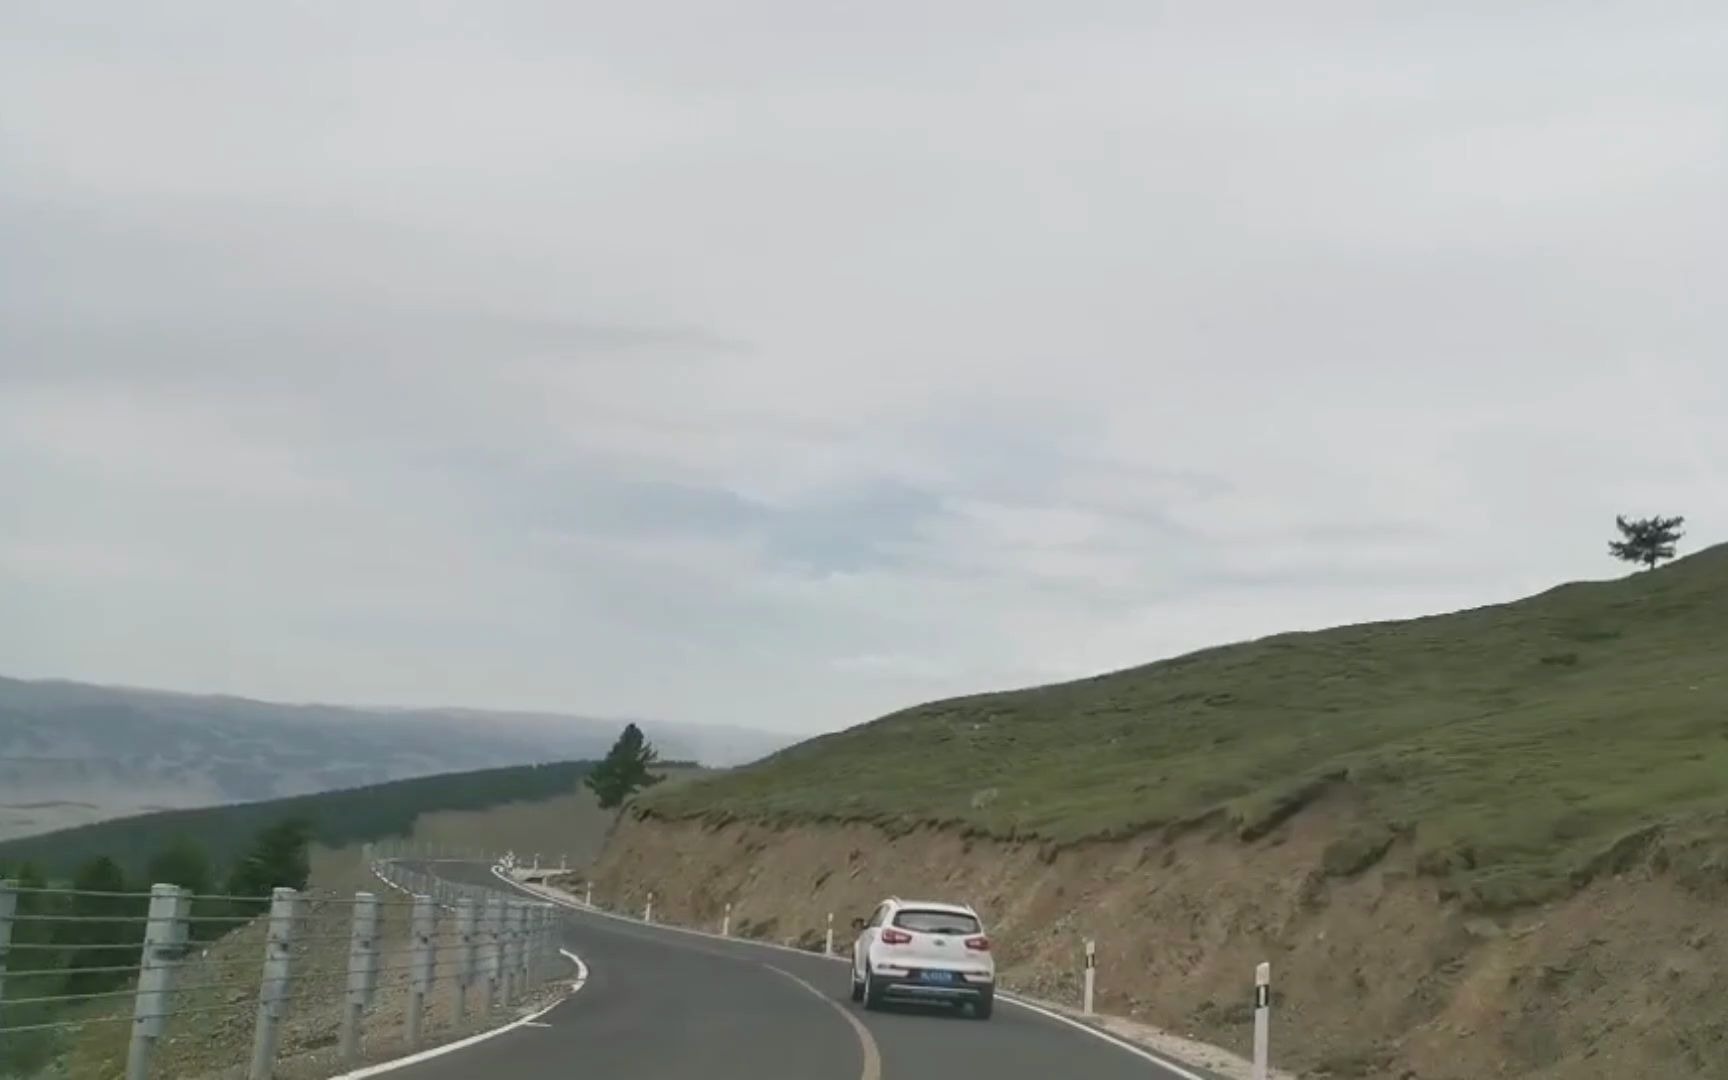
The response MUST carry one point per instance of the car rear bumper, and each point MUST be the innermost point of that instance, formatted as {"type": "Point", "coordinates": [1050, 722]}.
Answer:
{"type": "Point", "coordinates": [912, 988]}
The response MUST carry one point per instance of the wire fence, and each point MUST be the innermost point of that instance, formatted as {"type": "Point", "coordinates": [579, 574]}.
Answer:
{"type": "Point", "coordinates": [297, 984]}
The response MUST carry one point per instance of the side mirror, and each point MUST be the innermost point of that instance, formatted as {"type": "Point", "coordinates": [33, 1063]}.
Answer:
{"type": "Point", "coordinates": [858, 925]}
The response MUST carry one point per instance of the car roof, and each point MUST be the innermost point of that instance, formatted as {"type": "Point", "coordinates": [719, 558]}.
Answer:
{"type": "Point", "coordinates": [933, 905]}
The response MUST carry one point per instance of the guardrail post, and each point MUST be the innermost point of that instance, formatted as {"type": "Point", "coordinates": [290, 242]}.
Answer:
{"type": "Point", "coordinates": [8, 912]}
{"type": "Point", "coordinates": [726, 922]}
{"type": "Point", "coordinates": [466, 953]}
{"type": "Point", "coordinates": [1262, 1020]}
{"type": "Point", "coordinates": [524, 947]}
{"type": "Point", "coordinates": [506, 953]}
{"type": "Point", "coordinates": [489, 955]}
{"type": "Point", "coordinates": [1091, 976]}
{"type": "Point", "coordinates": [536, 945]}
{"type": "Point", "coordinates": [648, 912]}
{"type": "Point", "coordinates": [828, 941]}
{"type": "Point", "coordinates": [422, 966]}
{"type": "Point", "coordinates": [273, 988]}
{"type": "Point", "coordinates": [513, 949]}
{"type": "Point", "coordinates": [164, 944]}
{"type": "Point", "coordinates": [362, 973]}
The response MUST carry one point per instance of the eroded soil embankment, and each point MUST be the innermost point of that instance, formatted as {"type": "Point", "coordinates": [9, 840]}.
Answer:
{"type": "Point", "coordinates": [1376, 975]}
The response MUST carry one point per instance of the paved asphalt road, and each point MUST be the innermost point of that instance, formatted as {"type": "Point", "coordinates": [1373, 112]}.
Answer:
{"type": "Point", "coordinates": [664, 1005]}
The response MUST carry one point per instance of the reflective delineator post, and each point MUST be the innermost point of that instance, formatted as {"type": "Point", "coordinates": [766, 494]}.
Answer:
{"type": "Point", "coordinates": [648, 911]}
{"type": "Point", "coordinates": [590, 898]}
{"type": "Point", "coordinates": [1091, 977]}
{"type": "Point", "coordinates": [1262, 1021]}
{"type": "Point", "coordinates": [726, 923]}
{"type": "Point", "coordinates": [828, 941]}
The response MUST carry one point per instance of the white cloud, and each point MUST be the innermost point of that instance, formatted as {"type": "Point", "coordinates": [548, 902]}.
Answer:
{"type": "Point", "coordinates": [786, 364]}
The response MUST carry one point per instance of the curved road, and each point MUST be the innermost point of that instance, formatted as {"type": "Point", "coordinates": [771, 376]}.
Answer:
{"type": "Point", "coordinates": [660, 1004]}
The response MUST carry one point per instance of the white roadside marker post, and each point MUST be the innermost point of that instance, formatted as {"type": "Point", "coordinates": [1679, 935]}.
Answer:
{"type": "Point", "coordinates": [164, 943]}
{"type": "Point", "coordinates": [828, 942]}
{"type": "Point", "coordinates": [589, 900]}
{"type": "Point", "coordinates": [1262, 1020]}
{"type": "Point", "coordinates": [422, 962]}
{"type": "Point", "coordinates": [362, 951]}
{"type": "Point", "coordinates": [468, 953]}
{"type": "Point", "coordinates": [648, 912]}
{"type": "Point", "coordinates": [273, 988]}
{"type": "Point", "coordinates": [1091, 976]}
{"type": "Point", "coordinates": [726, 923]}
{"type": "Point", "coordinates": [8, 913]}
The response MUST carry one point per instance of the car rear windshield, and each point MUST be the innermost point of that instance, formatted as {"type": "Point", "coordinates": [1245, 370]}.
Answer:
{"type": "Point", "coordinates": [936, 922]}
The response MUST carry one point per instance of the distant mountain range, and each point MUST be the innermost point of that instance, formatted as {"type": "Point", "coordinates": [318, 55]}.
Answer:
{"type": "Point", "coordinates": [73, 753]}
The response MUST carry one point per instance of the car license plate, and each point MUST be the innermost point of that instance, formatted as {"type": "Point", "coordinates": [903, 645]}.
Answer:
{"type": "Point", "coordinates": [936, 976]}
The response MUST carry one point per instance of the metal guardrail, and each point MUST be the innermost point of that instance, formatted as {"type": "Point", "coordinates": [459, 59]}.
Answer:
{"type": "Point", "coordinates": [168, 960]}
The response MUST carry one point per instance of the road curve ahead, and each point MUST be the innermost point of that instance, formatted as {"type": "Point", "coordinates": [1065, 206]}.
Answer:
{"type": "Point", "coordinates": [661, 1004]}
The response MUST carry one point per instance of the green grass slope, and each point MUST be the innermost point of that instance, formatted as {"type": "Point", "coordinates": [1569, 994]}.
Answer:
{"type": "Point", "coordinates": [338, 818]}
{"type": "Point", "coordinates": [1516, 746]}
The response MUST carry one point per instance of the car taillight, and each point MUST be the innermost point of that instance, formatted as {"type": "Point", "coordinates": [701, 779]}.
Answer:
{"type": "Point", "coordinates": [896, 937]}
{"type": "Point", "coordinates": [978, 944]}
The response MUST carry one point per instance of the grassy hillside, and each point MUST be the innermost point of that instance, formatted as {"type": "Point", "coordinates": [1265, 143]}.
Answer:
{"type": "Point", "coordinates": [338, 817]}
{"type": "Point", "coordinates": [1515, 745]}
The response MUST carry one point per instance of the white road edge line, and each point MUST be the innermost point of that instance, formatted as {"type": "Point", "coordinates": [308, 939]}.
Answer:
{"type": "Point", "coordinates": [472, 1040]}
{"type": "Point", "coordinates": [1012, 999]}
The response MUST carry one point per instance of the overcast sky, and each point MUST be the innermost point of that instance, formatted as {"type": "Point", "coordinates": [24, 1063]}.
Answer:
{"type": "Point", "coordinates": [782, 362]}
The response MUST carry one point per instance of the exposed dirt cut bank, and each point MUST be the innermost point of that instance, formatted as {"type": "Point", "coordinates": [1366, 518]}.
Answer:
{"type": "Point", "coordinates": [1378, 973]}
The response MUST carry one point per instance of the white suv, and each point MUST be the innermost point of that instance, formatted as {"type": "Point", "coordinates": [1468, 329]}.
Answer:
{"type": "Point", "coordinates": [919, 951]}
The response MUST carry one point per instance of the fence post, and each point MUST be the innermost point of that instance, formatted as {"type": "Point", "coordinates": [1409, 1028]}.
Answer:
{"type": "Point", "coordinates": [465, 955]}
{"type": "Point", "coordinates": [507, 953]}
{"type": "Point", "coordinates": [539, 935]}
{"type": "Point", "coordinates": [519, 949]}
{"type": "Point", "coordinates": [422, 966]}
{"type": "Point", "coordinates": [489, 955]}
{"type": "Point", "coordinates": [726, 922]}
{"type": "Point", "coordinates": [8, 912]}
{"type": "Point", "coordinates": [273, 988]}
{"type": "Point", "coordinates": [828, 942]}
{"type": "Point", "coordinates": [1091, 976]}
{"type": "Point", "coordinates": [530, 941]}
{"type": "Point", "coordinates": [164, 936]}
{"type": "Point", "coordinates": [1262, 1020]}
{"type": "Point", "coordinates": [530, 944]}
{"type": "Point", "coordinates": [362, 972]}
{"type": "Point", "coordinates": [648, 912]}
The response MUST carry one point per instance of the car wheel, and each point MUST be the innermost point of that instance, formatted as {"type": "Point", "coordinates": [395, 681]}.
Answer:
{"type": "Point", "coordinates": [983, 1007]}
{"type": "Point", "coordinates": [857, 988]}
{"type": "Point", "coordinates": [872, 993]}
